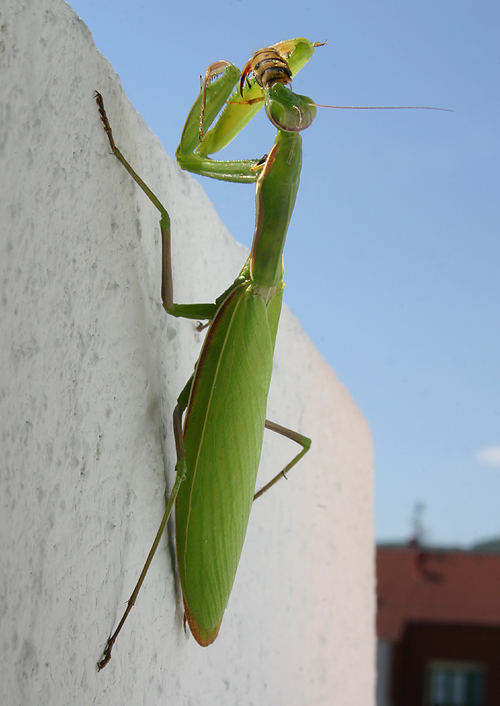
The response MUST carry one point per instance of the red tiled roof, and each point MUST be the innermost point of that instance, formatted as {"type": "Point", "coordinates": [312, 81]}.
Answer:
{"type": "Point", "coordinates": [414, 584]}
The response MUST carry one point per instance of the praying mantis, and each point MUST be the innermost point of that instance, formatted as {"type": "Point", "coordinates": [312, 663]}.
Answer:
{"type": "Point", "coordinates": [224, 403]}
{"type": "Point", "coordinates": [219, 445]}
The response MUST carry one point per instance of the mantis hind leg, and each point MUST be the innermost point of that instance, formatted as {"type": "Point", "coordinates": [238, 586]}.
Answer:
{"type": "Point", "coordinates": [303, 441]}
{"type": "Point", "coordinates": [180, 471]}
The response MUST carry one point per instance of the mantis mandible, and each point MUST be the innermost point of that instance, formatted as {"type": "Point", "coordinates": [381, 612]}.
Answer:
{"type": "Point", "coordinates": [224, 402]}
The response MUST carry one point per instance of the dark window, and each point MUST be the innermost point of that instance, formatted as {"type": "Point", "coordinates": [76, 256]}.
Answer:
{"type": "Point", "coordinates": [455, 684]}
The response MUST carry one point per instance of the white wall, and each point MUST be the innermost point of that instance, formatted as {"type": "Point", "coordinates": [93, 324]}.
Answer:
{"type": "Point", "coordinates": [90, 367]}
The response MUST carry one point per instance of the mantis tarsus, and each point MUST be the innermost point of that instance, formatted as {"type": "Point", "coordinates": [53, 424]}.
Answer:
{"type": "Point", "coordinates": [219, 447]}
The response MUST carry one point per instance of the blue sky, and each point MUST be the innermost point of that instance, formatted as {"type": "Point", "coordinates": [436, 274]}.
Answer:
{"type": "Point", "coordinates": [392, 258]}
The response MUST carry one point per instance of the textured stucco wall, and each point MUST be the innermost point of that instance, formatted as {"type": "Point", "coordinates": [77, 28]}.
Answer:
{"type": "Point", "coordinates": [90, 367]}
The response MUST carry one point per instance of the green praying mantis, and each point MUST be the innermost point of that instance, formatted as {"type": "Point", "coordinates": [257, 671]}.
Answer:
{"type": "Point", "coordinates": [224, 402]}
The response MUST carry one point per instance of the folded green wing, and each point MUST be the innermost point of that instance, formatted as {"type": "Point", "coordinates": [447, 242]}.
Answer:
{"type": "Point", "coordinates": [223, 440]}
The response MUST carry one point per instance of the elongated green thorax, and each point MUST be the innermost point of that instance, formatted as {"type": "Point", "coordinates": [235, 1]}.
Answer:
{"type": "Point", "coordinates": [275, 198]}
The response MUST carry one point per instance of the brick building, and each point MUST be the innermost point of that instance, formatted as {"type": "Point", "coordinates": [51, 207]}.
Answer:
{"type": "Point", "coordinates": [438, 626]}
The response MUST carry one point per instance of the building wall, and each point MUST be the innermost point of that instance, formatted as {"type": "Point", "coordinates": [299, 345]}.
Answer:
{"type": "Point", "coordinates": [423, 643]}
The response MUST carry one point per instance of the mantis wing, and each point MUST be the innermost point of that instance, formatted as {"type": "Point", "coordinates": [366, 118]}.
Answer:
{"type": "Point", "coordinates": [223, 441]}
